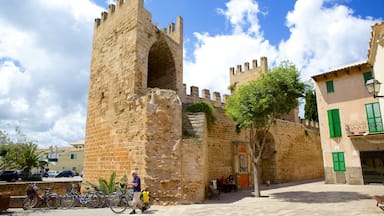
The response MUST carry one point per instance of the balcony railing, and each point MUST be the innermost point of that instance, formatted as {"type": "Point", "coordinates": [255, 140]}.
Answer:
{"type": "Point", "coordinates": [357, 129]}
{"type": "Point", "coordinates": [363, 129]}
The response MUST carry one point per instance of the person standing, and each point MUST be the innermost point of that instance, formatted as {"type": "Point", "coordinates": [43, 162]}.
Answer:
{"type": "Point", "coordinates": [136, 185]}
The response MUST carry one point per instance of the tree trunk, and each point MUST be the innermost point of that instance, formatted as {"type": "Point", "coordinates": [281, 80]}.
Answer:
{"type": "Point", "coordinates": [256, 181]}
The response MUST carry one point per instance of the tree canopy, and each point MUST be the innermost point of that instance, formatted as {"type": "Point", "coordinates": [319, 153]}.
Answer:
{"type": "Point", "coordinates": [310, 108]}
{"type": "Point", "coordinates": [20, 154]}
{"type": "Point", "coordinates": [275, 93]}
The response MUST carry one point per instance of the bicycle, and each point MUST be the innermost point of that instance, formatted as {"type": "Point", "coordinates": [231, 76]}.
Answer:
{"type": "Point", "coordinates": [102, 198]}
{"type": "Point", "coordinates": [119, 200]}
{"type": "Point", "coordinates": [50, 199]}
{"type": "Point", "coordinates": [88, 199]}
{"type": "Point", "coordinates": [122, 199]}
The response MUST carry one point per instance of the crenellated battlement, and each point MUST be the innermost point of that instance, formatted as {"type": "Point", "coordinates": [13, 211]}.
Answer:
{"type": "Point", "coordinates": [112, 8]}
{"type": "Point", "coordinates": [255, 67]}
{"type": "Point", "coordinates": [215, 99]}
{"type": "Point", "coordinates": [175, 31]}
{"type": "Point", "coordinates": [244, 75]}
{"type": "Point", "coordinates": [126, 8]}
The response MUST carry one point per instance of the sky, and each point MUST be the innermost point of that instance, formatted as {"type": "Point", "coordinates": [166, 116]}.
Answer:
{"type": "Point", "coordinates": [45, 50]}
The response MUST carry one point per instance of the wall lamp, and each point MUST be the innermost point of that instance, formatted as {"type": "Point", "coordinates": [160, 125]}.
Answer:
{"type": "Point", "coordinates": [373, 87]}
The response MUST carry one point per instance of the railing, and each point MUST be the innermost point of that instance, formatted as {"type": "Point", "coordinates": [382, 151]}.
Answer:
{"type": "Point", "coordinates": [309, 124]}
{"type": "Point", "coordinates": [357, 129]}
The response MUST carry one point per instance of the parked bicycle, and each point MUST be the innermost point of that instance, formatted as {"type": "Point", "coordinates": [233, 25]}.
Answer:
{"type": "Point", "coordinates": [103, 201]}
{"type": "Point", "coordinates": [122, 199]}
{"type": "Point", "coordinates": [73, 197]}
{"type": "Point", "coordinates": [48, 198]}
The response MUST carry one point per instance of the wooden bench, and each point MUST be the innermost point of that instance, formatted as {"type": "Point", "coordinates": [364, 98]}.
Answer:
{"type": "Point", "coordinates": [4, 200]}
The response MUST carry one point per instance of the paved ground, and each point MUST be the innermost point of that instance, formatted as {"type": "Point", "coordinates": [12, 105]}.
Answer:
{"type": "Point", "coordinates": [310, 198]}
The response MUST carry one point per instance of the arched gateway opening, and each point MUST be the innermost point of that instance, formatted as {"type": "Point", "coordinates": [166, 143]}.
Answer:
{"type": "Point", "coordinates": [161, 67]}
{"type": "Point", "coordinates": [268, 174]}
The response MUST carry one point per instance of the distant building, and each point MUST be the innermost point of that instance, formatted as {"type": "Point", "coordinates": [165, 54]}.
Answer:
{"type": "Point", "coordinates": [70, 158]}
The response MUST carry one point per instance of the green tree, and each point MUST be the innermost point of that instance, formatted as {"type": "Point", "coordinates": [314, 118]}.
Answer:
{"type": "Point", "coordinates": [255, 107]}
{"type": "Point", "coordinates": [310, 108]}
{"type": "Point", "coordinates": [20, 154]}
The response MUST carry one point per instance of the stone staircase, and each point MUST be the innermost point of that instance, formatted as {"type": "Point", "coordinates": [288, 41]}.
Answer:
{"type": "Point", "coordinates": [193, 125]}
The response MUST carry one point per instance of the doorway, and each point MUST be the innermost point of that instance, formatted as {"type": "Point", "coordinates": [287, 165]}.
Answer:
{"type": "Point", "coordinates": [372, 165]}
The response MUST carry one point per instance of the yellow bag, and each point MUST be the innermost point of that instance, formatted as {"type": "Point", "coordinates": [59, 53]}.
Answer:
{"type": "Point", "coordinates": [146, 196]}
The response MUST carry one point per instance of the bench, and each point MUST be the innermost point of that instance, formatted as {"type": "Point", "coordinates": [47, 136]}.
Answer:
{"type": "Point", "coordinates": [4, 200]}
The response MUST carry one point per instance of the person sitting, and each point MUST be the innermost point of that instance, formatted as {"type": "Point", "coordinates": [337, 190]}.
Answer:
{"type": "Point", "coordinates": [231, 184]}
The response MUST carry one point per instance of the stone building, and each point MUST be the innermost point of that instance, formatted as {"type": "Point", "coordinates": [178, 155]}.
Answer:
{"type": "Point", "coordinates": [136, 117]}
{"type": "Point", "coordinates": [65, 158]}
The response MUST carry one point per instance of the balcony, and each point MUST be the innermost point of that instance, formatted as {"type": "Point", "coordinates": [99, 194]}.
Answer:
{"type": "Point", "coordinates": [360, 133]}
{"type": "Point", "coordinates": [357, 129]}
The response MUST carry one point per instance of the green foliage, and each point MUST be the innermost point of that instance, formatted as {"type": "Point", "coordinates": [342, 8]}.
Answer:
{"type": "Point", "coordinates": [310, 107]}
{"type": "Point", "coordinates": [272, 95]}
{"type": "Point", "coordinates": [202, 107]}
{"type": "Point", "coordinates": [232, 87]}
{"type": "Point", "coordinates": [108, 187]}
{"type": "Point", "coordinates": [20, 154]}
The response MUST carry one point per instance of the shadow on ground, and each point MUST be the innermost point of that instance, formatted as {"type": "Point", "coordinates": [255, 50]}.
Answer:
{"type": "Point", "coordinates": [293, 196]}
{"type": "Point", "coordinates": [319, 197]}
{"type": "Point", "coordinates": [232, 196]}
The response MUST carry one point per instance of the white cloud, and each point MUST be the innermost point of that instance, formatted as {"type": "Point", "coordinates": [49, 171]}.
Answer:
{"type": "Point", "coordinates": [242, 14]}
{"type": "Point", "coordinates": [44, 68]}
{"type": "Point", "coordinates": [215, 54]}
{"type": "Point", "coordinates": [320, 38]}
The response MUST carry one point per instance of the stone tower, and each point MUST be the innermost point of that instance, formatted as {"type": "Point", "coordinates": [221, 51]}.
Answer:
{"type": "Point", "coordinates": [134, 110]}
{"type": "Point", "coordinates": [242, 76]}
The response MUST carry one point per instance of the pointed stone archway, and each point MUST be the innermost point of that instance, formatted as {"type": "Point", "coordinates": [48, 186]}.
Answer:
{"type": "Point", "coordinates": [268, 163]}
{"type": "Point", "coordinates": [161, 67]}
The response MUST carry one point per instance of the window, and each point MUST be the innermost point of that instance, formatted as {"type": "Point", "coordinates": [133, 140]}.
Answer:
{"type": "Point", "coordinates": [330, 87]}
{"type": "Point", "coordinates": [367, 76]}
{"type": "Point", "coordinates": [338, 161]}
{"type": "Point", "coordinates": [73, 156]}
{"type": "Point", "coordinates": [375, 123]}
{"type": "Point", "coordinates": [334, 123]}
{"type": "Point", "coordinates": [243, 163]}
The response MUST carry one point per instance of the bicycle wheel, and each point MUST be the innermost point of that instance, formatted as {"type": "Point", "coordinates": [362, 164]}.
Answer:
{"type": "Point", "coordinates": [102, 200]}
{"type": "Point", "coordinates": [92, 200]}
{"type": "Point", "coordinates": [29, 202]}
{"type": "Point", "coordinates": [117, 203]}
{"type": "Point", "coordinates": [67, 201]}
{"type": "Point", "coordinates": [53, 201]}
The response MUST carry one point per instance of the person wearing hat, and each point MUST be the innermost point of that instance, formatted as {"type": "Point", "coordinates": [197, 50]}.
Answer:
{"type": "Point", "coordinates": [136, 186]}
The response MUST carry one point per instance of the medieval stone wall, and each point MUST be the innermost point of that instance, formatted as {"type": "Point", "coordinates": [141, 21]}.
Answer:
{"type": "Point", "coordinates": [163, 146]}
{"type": "Point", "coordinates": [221, 151]}
{"type": "Point", "coordinates": [298, 152]}
{"type": "Point", "coordinates": [294, 154]}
